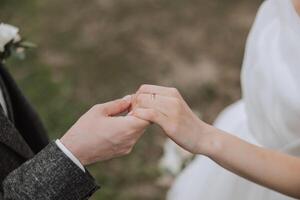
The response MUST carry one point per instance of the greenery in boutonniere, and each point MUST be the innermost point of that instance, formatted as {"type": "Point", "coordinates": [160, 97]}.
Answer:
{"type": "Point", "coordinates": [11, 43]}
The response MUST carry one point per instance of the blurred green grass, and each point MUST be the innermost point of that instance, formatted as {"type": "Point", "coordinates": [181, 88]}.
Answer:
{"type": "Point", "coordinates": [94, 51]}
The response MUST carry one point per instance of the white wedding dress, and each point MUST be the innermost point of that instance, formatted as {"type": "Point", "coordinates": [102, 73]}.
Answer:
{"type": "Point", "coordinates": [269, 113]}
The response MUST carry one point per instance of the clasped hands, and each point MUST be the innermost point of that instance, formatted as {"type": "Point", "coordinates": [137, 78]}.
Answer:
{"type": "Point", "coordinates": [102, 133]}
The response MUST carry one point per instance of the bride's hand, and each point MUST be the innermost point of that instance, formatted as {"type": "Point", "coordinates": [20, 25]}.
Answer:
{"type": "Point", "coordinates": [166, 107]}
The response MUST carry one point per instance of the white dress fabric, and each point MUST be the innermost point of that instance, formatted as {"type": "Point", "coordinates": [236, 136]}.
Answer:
{"type": "Point", "coordinates": [268, 115]}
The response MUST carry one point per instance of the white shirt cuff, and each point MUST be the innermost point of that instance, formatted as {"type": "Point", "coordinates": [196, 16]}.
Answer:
{"type": "Point", "coordinates": [69, 154]}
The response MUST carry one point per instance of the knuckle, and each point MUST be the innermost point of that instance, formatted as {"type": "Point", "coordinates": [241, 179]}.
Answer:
{"type": "Point", "coordinates": [139, 99]}
{"type": "Point", "coordinates": [94, 107]}
{"type": "Point", "coordinates": [174, 91]}
{"type": "Point", "coordinates": [97, 107]}
{"type": "Point", "coordinates": [143, 87]}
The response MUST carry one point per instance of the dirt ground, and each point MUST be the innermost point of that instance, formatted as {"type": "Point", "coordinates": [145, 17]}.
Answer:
{"type": "Point", "coordinates": [93, 51]}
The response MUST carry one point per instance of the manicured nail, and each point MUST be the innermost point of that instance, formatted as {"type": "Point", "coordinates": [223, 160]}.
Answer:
{"type": "Point", "coordinates": [130, 113]}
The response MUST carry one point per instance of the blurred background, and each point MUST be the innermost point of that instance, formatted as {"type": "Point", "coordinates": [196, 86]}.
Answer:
{"type": "Point", "coordinates": [98, 50]}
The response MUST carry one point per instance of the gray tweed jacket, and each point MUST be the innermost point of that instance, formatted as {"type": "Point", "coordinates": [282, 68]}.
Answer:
{"type": "Point", "coordinates": [31, 168]}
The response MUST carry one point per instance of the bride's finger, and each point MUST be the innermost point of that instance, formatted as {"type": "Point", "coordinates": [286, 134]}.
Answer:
{"type": "Point", "coordinates": [151, 115]}
{"type": "Point", "coordinates": [157, 102]}
{"type": "Point", "coordinates": [160, 90]}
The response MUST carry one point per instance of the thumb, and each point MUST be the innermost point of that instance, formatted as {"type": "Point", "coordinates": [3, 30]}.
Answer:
{"type": "Point", "coordinates": [117, 106]}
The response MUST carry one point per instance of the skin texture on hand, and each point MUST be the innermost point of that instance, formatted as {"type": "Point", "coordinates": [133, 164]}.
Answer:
{"type": "Point", "coordinates": [100, 134]}
{"type": "Point", "coordinates": [268, 168]}
{"type": "Point", "coordinates": [167, 108]}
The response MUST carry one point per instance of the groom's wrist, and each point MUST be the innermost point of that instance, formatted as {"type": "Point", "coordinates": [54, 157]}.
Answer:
{"type": "Point", "coordinates": [75, 149]}
{"type": "Point", "coordinates": [70, 155]}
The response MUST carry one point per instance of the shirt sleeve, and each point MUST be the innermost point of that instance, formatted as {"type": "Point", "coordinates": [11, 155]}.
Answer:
{"type": "Point", "coordinates": [49, 175]}
{"type": "Point", "coordinates": [69, 154]}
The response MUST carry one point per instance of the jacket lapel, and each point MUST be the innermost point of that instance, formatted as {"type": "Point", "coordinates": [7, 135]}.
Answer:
{"type": "Point", "coordinates": [25, 120]}
{"type": "Point", "coordinates": [6, 97]}
{"type": "Point", "coordinates": [10, 136]}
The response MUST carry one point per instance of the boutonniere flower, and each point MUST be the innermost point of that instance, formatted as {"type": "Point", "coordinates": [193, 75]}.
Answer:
{"type": "Point", "coordinates": [11, 43]}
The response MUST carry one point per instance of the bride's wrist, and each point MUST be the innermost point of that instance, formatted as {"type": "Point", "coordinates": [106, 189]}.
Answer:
{"type": "Point", "coordinates": [211, 141]}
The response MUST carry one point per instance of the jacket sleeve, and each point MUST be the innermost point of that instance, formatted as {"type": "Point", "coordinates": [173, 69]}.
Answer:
{"type": "Point", "coordinates": [50, 175]}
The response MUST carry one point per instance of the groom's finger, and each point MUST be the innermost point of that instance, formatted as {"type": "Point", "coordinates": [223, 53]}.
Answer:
{"type": "Point", "coordinates": [151, 115]}
{"type": "Point", "coordinates": [160, 103]}
{"type": "Point", "coordinates": [134, 122]}
{"type": "Point", "coordinates": [115, 107]}
{"type": "Point", "coordinates": [160, 90]}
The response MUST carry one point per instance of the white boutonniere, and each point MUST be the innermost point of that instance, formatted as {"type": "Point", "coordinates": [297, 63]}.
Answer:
{"type": "Point", "coordinates": [11, 43]}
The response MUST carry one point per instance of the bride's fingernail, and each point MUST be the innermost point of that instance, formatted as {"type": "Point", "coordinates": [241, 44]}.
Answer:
{"type": "Point", "coordinates": [127, 98]}
{"type": "Point", "coordinates": [130, 113]}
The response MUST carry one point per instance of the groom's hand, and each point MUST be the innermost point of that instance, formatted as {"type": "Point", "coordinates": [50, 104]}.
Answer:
{"type": "Point", "coordinates": [101, 135]}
